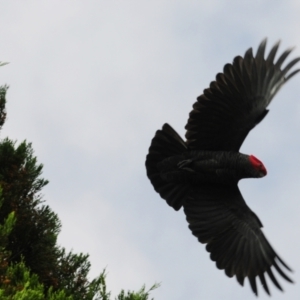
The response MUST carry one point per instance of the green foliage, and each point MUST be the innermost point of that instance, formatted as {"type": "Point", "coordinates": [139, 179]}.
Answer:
{"type": "Point", "coordinates": [16, 282]}
{"type": "Point", "coordinates": [3, 90]}
{"type": "Point", "coordinates": [34, 235]}
{"type": "Point", "coordinates": [72, 271]}
{"type": "Point", "coordinates": [5, 230]}
{"type": "Point", "coordinates": [32, 266]}
{"type": "Point", "coordinates": [102, 294]}
{"type": "Point", "coordinates": [20, 284]}
{"type": "Point", "coordinates": [35, 232]}
{"type": "Point", "coordinates": [142, 294]}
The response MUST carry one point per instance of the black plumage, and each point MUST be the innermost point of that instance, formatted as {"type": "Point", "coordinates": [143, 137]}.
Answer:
{"type": "Point", "coordinates": [202, 173]}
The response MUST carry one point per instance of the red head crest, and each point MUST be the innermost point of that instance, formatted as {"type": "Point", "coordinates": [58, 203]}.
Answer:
{"type": "Point", "coordinates": [258, 165]}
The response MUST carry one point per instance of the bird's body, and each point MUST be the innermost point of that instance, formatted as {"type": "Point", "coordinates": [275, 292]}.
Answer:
{"type": "Point", "coordinates": [204, 167]}
{"type": "Point", "coordinates": [202, 173]}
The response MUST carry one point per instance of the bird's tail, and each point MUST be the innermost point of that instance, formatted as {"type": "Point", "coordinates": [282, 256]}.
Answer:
{"type": "Point", "coordinates": [166, 143]}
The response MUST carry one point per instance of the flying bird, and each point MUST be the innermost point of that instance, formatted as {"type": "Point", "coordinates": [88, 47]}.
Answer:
{"type": "Point", "coordinates": [202, 173]}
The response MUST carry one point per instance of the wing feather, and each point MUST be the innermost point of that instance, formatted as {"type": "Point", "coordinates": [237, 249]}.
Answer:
{"type": "Point", "coordinates": [237, 100]}
{"type": "Point", "coordinates": [219, 217]}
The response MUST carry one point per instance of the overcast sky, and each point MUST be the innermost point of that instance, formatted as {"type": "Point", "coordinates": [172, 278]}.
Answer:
{"type": "Point", "coordinates": [91, 82]}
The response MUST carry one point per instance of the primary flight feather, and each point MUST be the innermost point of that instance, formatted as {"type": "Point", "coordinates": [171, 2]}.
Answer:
{"type": "Point", "coordinates": [202, 173]}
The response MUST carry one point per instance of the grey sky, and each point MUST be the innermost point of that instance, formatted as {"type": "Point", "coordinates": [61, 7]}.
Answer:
{"type": "Point", "coordinates": [91, 82]}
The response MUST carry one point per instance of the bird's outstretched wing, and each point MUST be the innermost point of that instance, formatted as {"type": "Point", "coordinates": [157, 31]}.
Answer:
{"type": "Point", "coordinates": [236, 101]}
{"type": "Point", "coordinates": [219, 217]}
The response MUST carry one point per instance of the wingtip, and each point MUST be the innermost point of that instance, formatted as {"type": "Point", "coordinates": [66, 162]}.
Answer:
{"type": "Point", "coordinates": [261, 49]}
{"type": "Point", "coordinates": [277, 44]}
{"type": "Point", "coordinates": [249, 52]}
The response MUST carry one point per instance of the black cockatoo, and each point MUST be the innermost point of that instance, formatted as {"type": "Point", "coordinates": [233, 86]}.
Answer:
{"type": "Point", "coordinates": [202, 173]}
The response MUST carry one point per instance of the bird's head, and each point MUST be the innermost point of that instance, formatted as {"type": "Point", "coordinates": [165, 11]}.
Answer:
{"type": "Point", "coordinates": [258, 167]}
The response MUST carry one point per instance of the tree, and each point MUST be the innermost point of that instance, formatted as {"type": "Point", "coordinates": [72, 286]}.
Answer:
{"type": "Point", "coordinates": [32, 266]}
{"type": "Point", "coordinates": [16, 281]}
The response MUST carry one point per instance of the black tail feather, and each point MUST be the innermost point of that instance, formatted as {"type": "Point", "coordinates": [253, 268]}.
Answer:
{"type": "Point", "coordinates": [166, 143]}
